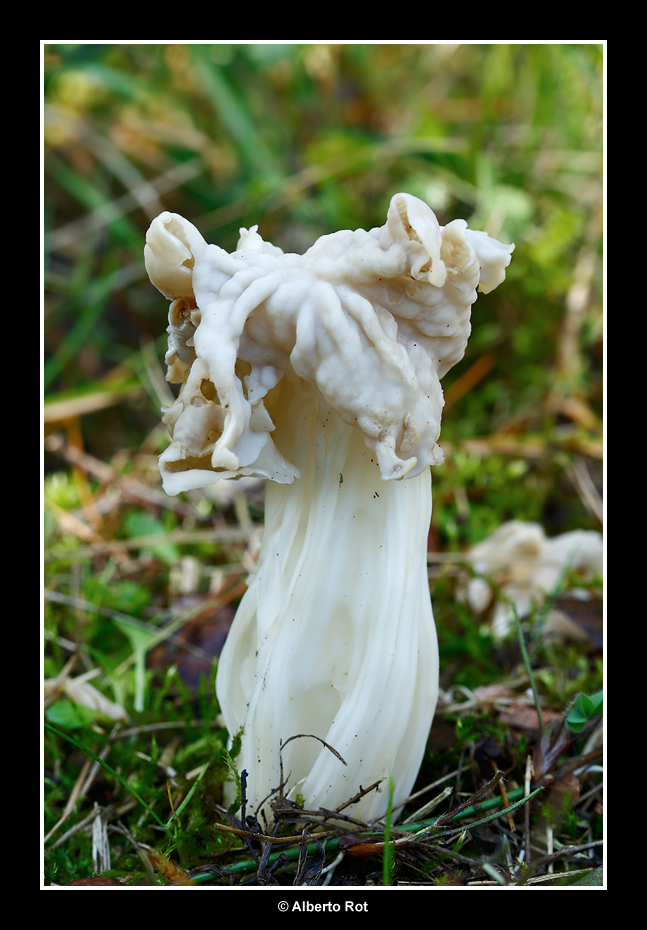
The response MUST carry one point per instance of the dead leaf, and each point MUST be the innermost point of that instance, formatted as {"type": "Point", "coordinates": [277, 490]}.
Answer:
{"type": "Point", "coordinates": [82, 692]}
{"type": "Point", "coordinates": [520, 717]}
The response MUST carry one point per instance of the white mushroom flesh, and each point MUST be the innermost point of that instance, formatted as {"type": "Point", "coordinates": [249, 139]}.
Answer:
{"type": "Point", "coordinates": [321, 372]}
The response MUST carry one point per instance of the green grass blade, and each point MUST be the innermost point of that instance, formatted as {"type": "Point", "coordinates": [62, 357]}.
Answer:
{"type": "Point", "coordinates": [388, 857]}
{"type": "Point", "coordinates": [96, 758]}
{"type": "Point", "coordinates": [527, 666]}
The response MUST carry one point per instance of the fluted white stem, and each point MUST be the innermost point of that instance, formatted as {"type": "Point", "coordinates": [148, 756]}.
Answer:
{"type": "Point", "coordinates": [335, 636]}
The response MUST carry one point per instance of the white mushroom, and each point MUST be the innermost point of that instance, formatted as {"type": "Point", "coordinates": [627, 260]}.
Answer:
{"type": "Point", "coordinates": [523, 566]}
{"type": "Point", "coordinates": [322, 373]}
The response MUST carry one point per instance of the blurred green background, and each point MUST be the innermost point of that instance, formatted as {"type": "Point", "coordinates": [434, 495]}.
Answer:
{"type": "Point", "coordinates": [308, 139]}
{"type": "Point", "coordinates": [302, 140]}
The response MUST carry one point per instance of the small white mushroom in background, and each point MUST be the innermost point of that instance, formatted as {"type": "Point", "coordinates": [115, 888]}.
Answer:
{"type": "Point", "coordinates": [83, 693]}
{"type": "Point", "coordinates": [523, 565]}
{"type": "Point", "coordinates": [321, 372]}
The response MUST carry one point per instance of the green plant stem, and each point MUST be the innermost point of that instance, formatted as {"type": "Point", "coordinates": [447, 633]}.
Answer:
{"type": "Point", "coordinates": [387, 857]}
{"type": "Point", "coordinates": [531, 677]}
{"type": "Point", "coordinates": [176, 815]}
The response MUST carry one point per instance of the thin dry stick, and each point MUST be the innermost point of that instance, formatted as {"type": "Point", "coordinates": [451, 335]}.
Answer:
{"type": "Point", "coordinates": [75, 829]}
{"type": "Point", "coordinates": [417, 794]}
{"type": "Point", "coordinates": [75, 794]}
{"type": "Point", "coordinates": [504, 795]}
{"type": "Point", "coordinates": [303, 736]}
{"type": "Point", "coordinates": [100, 844]}
{"type": "Point", "coordinates": [579, 474]}
{"type": "Point", "coordinates": [82, 785]}
{"type": "Point", "coordinates": [170, 797]}
{"type": "Point", "coordinates": [428, 807]}
{"type": "Point", "coordinates": [312, 736]}
{"type": "Point", "coordinates": [470, 802]}
{"type": "Point", "coordinates": [261, 837]}
{"type": "Point", "coordinates": [144, 193]}
{"type": "Point", "coordinates": [360, 794]}
{"type": "Point", "coordinates": [96, 766]}
{"type": "Point", "coordinates": [58, 683]}
{"type": "Point", "coordinates": [566, 851]}
{"type": "Point", "coordinates": [555, 876]}
{"type": "Point", "coordinates": [526, 810]}
{"type": "Point", "coordinates": [164, 725]}
{"type": "Point", "coordinates": [159, 634]}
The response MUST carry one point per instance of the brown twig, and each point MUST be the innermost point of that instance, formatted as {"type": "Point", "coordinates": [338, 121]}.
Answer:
{"type": "Point", "coordinates": [312, 736]}
{"type": "Point", "coordinates": [470, 802]}
{"type": "Point", "coordinates": [261, 837]}
{"type": "Point", "coordinates": [504, 795]}
{"type": "Point", "coordinates": [360, 794]}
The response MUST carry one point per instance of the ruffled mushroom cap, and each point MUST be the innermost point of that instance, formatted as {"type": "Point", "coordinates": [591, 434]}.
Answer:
{"type": "Point", "coordinates": [373, 319]}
